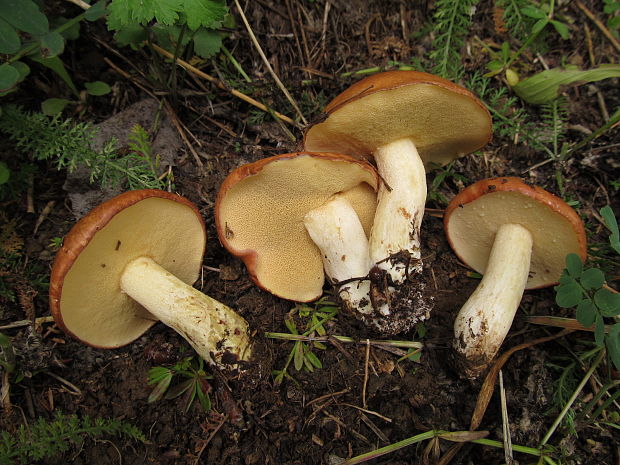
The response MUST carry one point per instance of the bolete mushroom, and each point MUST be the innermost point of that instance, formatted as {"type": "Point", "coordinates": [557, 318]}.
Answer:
{"type": "Point", "coordinates": [261, 212]}
{"type": "Point", "coordinates": [131, 262]}
{"type": "Point", "coordinates": [518, 237]}
{"type": "Point", "coordinates": [407, 121]}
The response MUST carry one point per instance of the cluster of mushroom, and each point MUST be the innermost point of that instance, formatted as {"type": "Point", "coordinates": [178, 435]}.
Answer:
{"type": "Point", "coordinates": [326, 210]}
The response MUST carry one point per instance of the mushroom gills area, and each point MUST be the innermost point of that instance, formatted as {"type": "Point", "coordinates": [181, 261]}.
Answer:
{"type": "Point", "coordinates": [337, 231]}
{"type": "Point", "coordinates": [484, 320]}
{"type": "Point", "coordinates": [215, 331]}
{"type": "Point", "coordinates": [93, 307]}
{"type": "Point", "coordinates": [473, 226]}
{"type": "Point", "coordinates": [395, 234]}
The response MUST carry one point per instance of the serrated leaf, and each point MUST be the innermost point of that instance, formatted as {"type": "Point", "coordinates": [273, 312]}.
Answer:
{"type": "Point", "coordinates": [613, 345]}
{"type": "Point", "coordinates": [206, 13]}
{"type": "Point", "coordinates": [207, 42]}
{"type": "Point", "coordinates": [97, 88]}
{"type": "Point", "coordinates": [25, 16]}
{"type": "Point", "coordinates": [599, 331]}
{"type": "Point", "coordinates": [569, 295]}
{"type": "Point", "coordinates": [574, 265]}
{"type": "Point", "coordinates": [586, 313]}
{"type": "Point", "coordinates": [52, 44]}
{"type": "Point", "coordinates": [610, 221]}
{"type": "Point", "coordinates": [124, 13]}
{"type": "Point", "coordinates": [96, 11]}
{"type": "Point", "coordinates": [545, 86]}
{"type": "Point", "coordinates": [607, 302]}
{"type": "Point", "coordinates": [9, 76]}
{"type": "Point", "coordinates": [592, 278]}
{"type": "Point", "coordinates": [54, 106]}
{"type": "Point", "coordinates": [9, 39]}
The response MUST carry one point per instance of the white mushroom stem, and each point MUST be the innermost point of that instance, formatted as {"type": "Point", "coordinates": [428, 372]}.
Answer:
{"type": "Point", "coordinates": [337, 231]}
{"type": "Point", "coordinates": [216, 332]}
{"type": "Point", "coordinates": [486, 317]}
{"type": "Point", "coordinates": [400, 207]}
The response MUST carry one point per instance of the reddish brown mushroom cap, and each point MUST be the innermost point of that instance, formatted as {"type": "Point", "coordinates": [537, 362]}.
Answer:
{"type": "Point", "coordinates": [260, 209]}
{"type": "Point", "coordinates": [85, 296]}
{"type": "Point", "coordinates": [443, 119]}
{"type": "Point", "coordinates": [475, 214]}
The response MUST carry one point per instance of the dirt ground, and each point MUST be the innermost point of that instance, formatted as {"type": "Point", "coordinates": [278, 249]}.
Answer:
{"type": "Point", "coordinates": [363, 398]}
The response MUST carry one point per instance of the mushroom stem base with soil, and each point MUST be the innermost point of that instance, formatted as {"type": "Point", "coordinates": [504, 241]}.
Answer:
{"type": "Point", "coordinates": [337, 231]}
{"type": "Point", "coordinates": [216, 332]}
{"type": "Point", "coordinates": [483, 322]}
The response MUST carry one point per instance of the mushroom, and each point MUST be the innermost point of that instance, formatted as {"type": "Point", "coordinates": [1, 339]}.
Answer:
{"type": "Point", "coordinates": [130, 262]}
{"type": "Point", "coordinates": [407, 121]}
{"type": "Point", "coordinates": [261, 213]}
{"type": "Point", "coordinates": [518, 237]}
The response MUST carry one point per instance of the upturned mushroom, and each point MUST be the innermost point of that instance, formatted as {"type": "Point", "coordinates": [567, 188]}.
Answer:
{"type": "Point", "coordinates": [518, 237]}
{"type": "Point", "coordinates": [263, 209]}
{"type": "Point", "coordinates": [131, 262]}
{"type": "Point", "coordinates": [407, 121]}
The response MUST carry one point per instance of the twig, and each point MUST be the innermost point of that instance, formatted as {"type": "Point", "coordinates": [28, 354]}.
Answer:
{"type": "Point", "coordinates": [221, 85]}
{"type": "Point", "coordinates": [208, 440]}
{"type": "Point", "coordinates": [177, 124]}
{"type": "Point", "coordinates": [268, 65]}
{"type": "Point", "coordinates": [365, 373]}
{"type": "Point", "coordinates": [505, 424]}
{"type": "Point", "coordinates": [73, 389]}
{"type": "Point", "coordinates": [599, 24]}
{"type": "Point", "coordinates": [22, 323]}
{"type": "Point", "coordinates": [374, 342]}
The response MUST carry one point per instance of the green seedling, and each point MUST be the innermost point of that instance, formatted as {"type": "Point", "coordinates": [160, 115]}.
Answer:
{"type": "Point", "coordinates": [442, 175]}
{"type": "Point", "coordinates": [44, 438]}
{"type": "Point", "coordinates": [194, 383]}
{"type": "Point", "coordinates": [312, 319]}
{"type": "Point", "coordinates": [585, 290]}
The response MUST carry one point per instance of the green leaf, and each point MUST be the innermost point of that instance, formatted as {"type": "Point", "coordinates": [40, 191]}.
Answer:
{"type": "Point", "coordinates": [613, 345]}
{"type": "Point", "coordinates": [533, 12]}
{"type": "Point", "coordinates": [314, 360]}
{"type": "Point", "coordinates": [9, 39]}
{"type": "Point", "coordinates": [97, 88]}
{"type": "Point", "coordinates": [569, 295]}
{"type": "Point", "coordinates": [203, 399]}
{"type": "Point", "coordinates": [599, 331]}
{"type": "Point", "coordinates": [290, 325]}
{"type": "Point", "coordinates": [207, 13]}
{"type": "Point", "coordinates": [298, 357]}
{"type": "Point", "coordinates": [610, 221]}
{"type": "Point", "coordinates": [586, 313]}
{"type": "Point", "coordinates": [96, 11]}
{"type": "Point", "coordinates": [127, 12]}
{"type": "Point", "coordinates": [54, 106]}
{"type": "Point", "coordinates": [5, 173]}
{"type": "Point", "coordinates": [561, 28]}
{"type": "Point", "coordinates": [160, 389]}
{"type": "Point", "coordinates": [25, 16]}
{"type": "Point", "coordinates": [52, 44]}
{"type": "Point", "coordinates": [539, 25]}
{"type": "Point", "coordinates": [545, 86]}
{"type": "Point", "coordinates": [574, 265]}
{"type": "Point", "coordinates": [607, 302]}
{"type": "Point", "coordinates": [132, 34]}
{"type": "Point", "coordinates": [9, 76]}
{"type": "Point", "coordinates": [56, 65]}
{"type": "Point", "coordinates": [207, 42]}
{"type": "Point", "coordinates": [592, 278]}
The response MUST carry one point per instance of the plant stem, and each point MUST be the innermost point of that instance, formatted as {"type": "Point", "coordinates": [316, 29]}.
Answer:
{"type": "Point", "coordinates": [392, 447]}
{"type": "Point", "coordinates": [305, 338]}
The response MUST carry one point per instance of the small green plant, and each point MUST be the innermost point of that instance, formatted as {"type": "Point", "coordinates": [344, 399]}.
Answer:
{"type": "Point", "coordinates": [312, 319]}
{"type": "Point", "coordinates": [67, 144]}
{"type": "Point", "coordinates": [26, 32]}
{"type": "Point", "coordinates": [194, 384]}
{"type": "Point", "coordinates": [585, 289]}
{"type": "Point", "coordinates": [611, 9]}
{"type": "Point", "coordinates": [46, 438]}
{"type": "Point", "coordinates": [442, 175]}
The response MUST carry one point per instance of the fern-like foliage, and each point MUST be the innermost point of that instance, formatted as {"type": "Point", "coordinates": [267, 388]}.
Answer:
{"type": "Point", "coordinates": [452, 21]}
{"type": "Point", "coordinates": [514, 19]}
{"type": "Point", "coordinates": [554, 118]}
{"type": "Point", "coordinates": [46, 438]}
{"type": "Point", "coordinates": [68, 144]}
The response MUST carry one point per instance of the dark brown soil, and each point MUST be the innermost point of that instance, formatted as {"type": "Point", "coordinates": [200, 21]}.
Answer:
{"type": "Point", "coordinates": [361, 399]}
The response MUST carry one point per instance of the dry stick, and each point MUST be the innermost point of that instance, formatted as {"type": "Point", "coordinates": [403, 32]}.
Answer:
{"type": "Point", "coordinates": [505, 423]}
{"type": "Point", "coordinates": [268, 65]}
{"type": "Point", "coordinates": [486, 392]}
{"type": "Point", "coordinates": [364, 404]}
{"type": "Point", "coordinates": [21, 323]}
{"type": "Point", "coordinates": [600, 25]}
{"type": "Point", "coordinates": [208, 440]}
{"type": "Point", "coordinates": [221, 85]}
